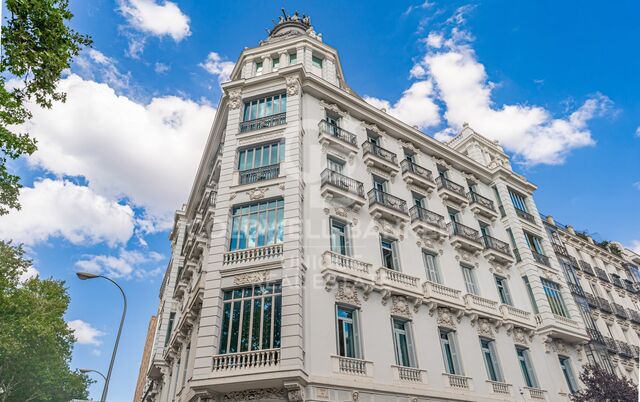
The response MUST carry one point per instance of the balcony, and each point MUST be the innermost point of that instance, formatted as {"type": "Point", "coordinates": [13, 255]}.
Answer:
{"type": "Point", "coordinates": [586, 267]}
{"type": "Point", "coordinates": [595, 336]}
{"type": "Point", "coordinates": [592, 301]}
{"type": "Point", "coordinates": [615, 279]}
{"type": "Point", "coordinates": [351, 366]}
{"type": "Point", "coordinates": [407, 374]}
{"type": "Point", "coordinates": [340, 267]}
{"type": "Point", "coordinates": [259, 174]}
{"type": "Point", "coordinates": [427, 223]}
{"type": "Point", "coordinates": [265, 359]}
{"type": "Point", "coordinates": [263, 122]}
{"type": "Point", "coordinates": [497, 251]}
{"type": "Point", "coordinates": [417, 175]}
{"type": "Point", "coordinates": [535, 393]}
{"type": "Point", "coordinates": [465, 238]}
{"type": "Point", "coordinates": [342, 189]}
{"type": "Point", "coordinates": [498, 387]}
{"type": "Point", "coordinates": [629, 286]}
{"type": "Point", "coordinates": [611, 344]}
{"type": "Point", "coordinates": [600, 273]}
{"type": "Point", "coordinates": [561, 327]}
{"type": "Point", "coordinates": [380, 158]}
{"type": "Point", "coordinates": [604, 305]}
{"type": "Point", "coordinates": [525, 215]}
{"type": "Point", "coordinates": [560, 249]}
{"type": "Point", "coordinates": [481, 306]}
{"type": "Point", "coordinates": [452, 192]}
{"type": "Point", "coordinates": [482, 206]}
{"type": "Point", "coordinates": [440, 295]}
{"type": "Point", "coordinates": [634, 316]}
{"type": "Point", "coordinates": [517, 317]}
{"type": "Point", "coordinates": [330, 135]}
{"type": "Point", "coordinates": [575, 289]}
{"type": "Point", "coordinates": [387, 206]}
{"type": "Point", "coordinates": [457, 381]}
{"type": "Point", "coordinates": [619, 311]}
{"type": "Point", "coordinates": [540, 258]}
{"type": "Point", "coordinates": [252, 256]}
{"type": "Point", "coordinates": [397, 282]}
{"type": "Point", "coordinates": [625, 350]}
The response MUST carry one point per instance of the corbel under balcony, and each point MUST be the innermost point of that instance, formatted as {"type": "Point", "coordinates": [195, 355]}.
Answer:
{"type": "Point", "coordinates": [428, 224]}
{"type": "Point", "coordinates": [451, 192]}
{"type": "Point", "coordinates": [338, 139]}
{"type": "Point", "coordinates": [416, 175]}
{"type": "Point", "coordinates": [341, 189]}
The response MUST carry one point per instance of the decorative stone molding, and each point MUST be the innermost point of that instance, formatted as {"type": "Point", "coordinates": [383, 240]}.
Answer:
{"type": "Point", "coordinates": [554, 345]}
{"type": "Point", "coordinates": [257, 193]}
{"type": "Point", "coordinates": [334, 108]}
{"type": "Point", "coordinates": [235, 98]}
{"type": "Point", "coordinates": [520, 337]}
{"type": "Point", "coordinates": [293, 85]}
{"type": "Point", "coordinates": [355, 396]}
{"type": "Point", "coordinates": [446, 318]}
{"type": "Point", "coordinates": [255, 395]}
{"type": "Point", "coordinates": [322, 393]}
{"type": "Point", "coordinates": [251, 278]}
{"type": "Point", "coordinates": [373, 128]}
{"type": "Point", "coordinates": [295, 392]}
{"type": "Point", "coordinates": [400, 306]}
{"type": "Point", "coordinates": [347, 293]}
{"type": "Point", "coordinates": [485, 328]}
{"type": "Point", "coordinates": [408, 145]}
{"type": "Point", "coordinates": [442, 162]}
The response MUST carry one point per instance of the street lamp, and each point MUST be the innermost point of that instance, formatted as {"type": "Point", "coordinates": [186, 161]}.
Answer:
{"type": "Point", "coordinates": [87, 275]}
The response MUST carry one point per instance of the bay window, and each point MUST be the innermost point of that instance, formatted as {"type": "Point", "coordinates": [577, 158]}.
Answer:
{"type": "Point", "coordinates": [257, 111]}
{"type": "Point", "coordinates": [257, 225]}
{"type": "Point", "coordinates": [554, 297]}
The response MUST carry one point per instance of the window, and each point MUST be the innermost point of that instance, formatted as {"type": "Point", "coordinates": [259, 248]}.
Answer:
{"type": "Point", "coordinates": [172, 317]}
{"type": "Point", "coordinates": [431, 265]}
{"type": "Point", "coordinates": [251, 318]}
{"type": "Point", "coordinates": [379, 184]}
{"type": "Point", "coordinates": [527, 368]}
{"type": "Point", "coordinates": [335, 165]}
{"type": "Point", "coordinates": [503, 290]}
{"type": "Point", "coordinates": [264, 107]}
{"type": "Point", "coordinates": [519, 201]}
{"type": "Point", "coordinates": [403, 343]}
{"type": "Point", "coordinates": [443, 172]}
{"type": "Point", "coordinates": [374, 140]}
{"type": "Point", "coordinates": [293, 58]}
{"type": "Point", "coordinates": [453, 215]}
{"type": "Point", "coordinates": [534, 242]}
{"type": "Point", "coordinates": [389, 252]}
{"type": "Point", "coordinates": [484, 229]}
{"type": "Point", "coordinates": [490, 356]}
{"type": "Point", "coordinates": [316, 61]}
{"type": "Point", "coordinates": [532, 299]}
{"type": "Point", "coordinates": [565, 364]}
{"type": "Point", "coordinates": [260, 155]}
{"type": "Point", "coordinates": [513, 244]}
{"type": "Point", "coordinates": [418, 200]}
{"type": "Point", "coordinates": [469, 279]}
{"type": "Point", "coordinates": [450, 352]}
{"type": "Point", "coordinates": [552, 290]}
{"type": "Point", "coordinates": [257, 225]}
{"type": "Point", "coordinates": [348, 332]}
{"type": "Point", "coordinates": [339, 237]}
{"type": "Point", "coordinates": [411, 157]}
{"type": "Point", "coordinates": [258, 68]}
{"type": "Point", "coordinates": [276, 63]}
{"type": "Point", "coordinates": [186, 365]}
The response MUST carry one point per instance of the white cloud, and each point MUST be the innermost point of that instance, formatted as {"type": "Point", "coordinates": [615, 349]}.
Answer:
{"type": "Point", "coordinates": [29, 273]}
{"type": "Point", "coordinates": [57, 208]}
{"type": "Point", "coordinates": [161, 68]}
{"type": "Point", "coordinates": [126, 264]}
{"type": "Point", "coordinates": [635, 246]}
{"type": "Point", "coordinates": [146, 153]}
{"type": "Point", "coordinates": [435, 40]}
{"type": "Point", "coordinates": [424, 5]}
{"type": "Point", "coordinates": [85, 334]}
{"type": "Point", "coordinates": [415, 107]}
{"type": "Point", "coordinates": [638, 132]}
{"type": "Point", "coordinates": [153, 18]}
{"type": "Point", "coordinates": [95, 64]}
{"type": "Point", "coordinates": [215, 65]}
{"type": "Point", "coordinates": [637, 185]}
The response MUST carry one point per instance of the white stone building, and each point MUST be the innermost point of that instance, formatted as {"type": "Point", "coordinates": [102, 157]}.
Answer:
{"type": "Point", "coordinates": [330, 252]}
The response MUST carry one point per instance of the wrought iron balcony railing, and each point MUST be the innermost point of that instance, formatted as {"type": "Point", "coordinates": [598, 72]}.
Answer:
{"type": "Point", "coordinates": [634, 316]}
{"type": "Point", "coordinates": [259, 174]}
{"type": "Point", "coordinates": [525, 215]}
{"type": "Point", "coordinates": [540, 258]}
{"type": "Point", "coordinates": [605, 305]}
{"type": "Point", "coordinates": [458, 229]}
{"type": "Point", "coordinates": [408, 166]}
{"type": "Point", "coordinates": [629, 286]}
{"type": "Point", "coordinates": [586, 267]}
{"type": "Point", "coordinates": [620, 311]}
{"type": "Point", "coordinates": [337, 132]}
{"type": "Point", "coordinates": [595, 335]}
{"type": "Point", "coordinates": [611, 344]}
{"type": "Point", "coordinates": [371, 148]}
{"type": "Point", "coordinates": [600, 273]}
{"type": "Point", "coordinates": [560, 249]}
{"type": "Point", "coordinates": [341, 181]}
{"type": "Point", "coordinates": [592, 301]}
{"type": "Point", "coordinates": [387, 200]}
{"type": "Point", "coordinates": [444, 183]}
{"type": "Point", "coordinates": [263, 122]}
{"type": "Point", "coordinates": [616, 281]}
{"type": "Point", "coordinates": [624, 349]}
{"type": "Point", "coordinates": [575, 289]}
{"type": "Point", "coordinates": [426, 216]}
{"type": "Point", "coordinates": [481, 200]}
{"type": "Point", "coordinates": [495, 244]}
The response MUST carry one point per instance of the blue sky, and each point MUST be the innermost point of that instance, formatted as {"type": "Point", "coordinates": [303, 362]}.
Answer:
{"type": "Point", "coordinates": [555, 83]}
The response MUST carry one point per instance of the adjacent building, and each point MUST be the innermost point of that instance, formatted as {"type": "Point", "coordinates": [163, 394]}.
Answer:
{"type": "Point", "coordinates": [330, 252]}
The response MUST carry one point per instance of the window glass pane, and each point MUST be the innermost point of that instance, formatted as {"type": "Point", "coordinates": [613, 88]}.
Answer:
{"type": "Point", "coordinates": [293, 58]}
{"type": "Point", "coordinates": [431, 264]}
{"type": "Point", "coordinates": [256, 225]}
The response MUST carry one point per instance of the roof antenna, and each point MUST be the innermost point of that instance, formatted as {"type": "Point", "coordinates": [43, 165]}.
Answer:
{"type": "Point", "coordinates": [284, 13]}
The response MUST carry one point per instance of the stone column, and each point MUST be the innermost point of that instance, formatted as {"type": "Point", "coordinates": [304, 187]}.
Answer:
{"type": "Point", "coordinates": [267, 64]}
{"type": "Point", "coordinates": [284, 58]}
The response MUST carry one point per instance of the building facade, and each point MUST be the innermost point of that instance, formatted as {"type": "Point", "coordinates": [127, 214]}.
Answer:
{"type": "Point", "coordinates": [330, 252]}
{"type": "Point", "coordinates": [146, 359]}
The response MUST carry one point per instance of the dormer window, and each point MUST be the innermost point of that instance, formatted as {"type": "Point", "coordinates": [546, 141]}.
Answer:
{"type": "Point", "coordinates": [316, 62]}
{"type": "Point", "coordinates": [276, 63]}
{"type": "Point", "coordinates": [258, 68]}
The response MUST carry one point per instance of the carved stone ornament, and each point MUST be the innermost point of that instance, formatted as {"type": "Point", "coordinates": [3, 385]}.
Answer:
{"type": "Point", "coordinates": [295, 392]}
{"type": "Point", "coordinates": [251, 278]}
{"type": "Point", "coordinates": [400, 306]}
{"type": "Point", "coordinates": [255, 395]}
{"type": "Point", "coordinates": [446, 318]}
{"type": "Point", "coordinates": [373, 128]}
{"type": "Point", "coordinates": [408, 145]}
{"type": "Point", "coordinates": [334, 108]}
{"type": "Point", "coordinates": [257, 193]}
{"type": "Point", "coordinates": [293, 85]}
{"type": "Point", "coordinates": [347, 293]}
{"type": "Point", "coordinates": [520, 337]}
{"type": "Point", "coordinates": [322, 393]}
{"type": "Point", "coordinates": [340, 211]}
{"type": "Point", "coordinates": [355, 396]}
{"type": "Point", "coordinates": [485, 328]}
{"type": "Point", "coordinates": [235, 98]}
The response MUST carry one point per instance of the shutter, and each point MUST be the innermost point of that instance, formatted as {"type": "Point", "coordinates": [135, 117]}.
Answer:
{"type": "Point", "coordinates": [495, 361]}
{"type": "Point", "coordinates": [347, 240]}
{"type": "Point", "coordinates": [396, 260]}
{"type": "Point", "coordinates": [505, 288]}
{"type": "Point", "coordinates": [532, 373]}
{"type": "Point", "coordinates": [453, 345]}
{"type": "Point", "coordinates": [410, 351]}
{"type": "Point", "coordinates": [356, 334]}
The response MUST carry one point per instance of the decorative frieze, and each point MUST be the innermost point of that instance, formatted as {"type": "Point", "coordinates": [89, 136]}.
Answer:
{"type": "Point", "coordinates": [255, 395]}
{"type": "Point", "coordinates": [334, 108]}
{"type": "Point", "coordinates": [235, 98]}
{"type": "Point", "coordinates": [485, 328]}
{"type": "Point", "coordinates": [293, 85]}
{"type": "Point", "coordinates": [251, 278]}
{"type": "Point", "coordinates": [295, 392]}
{"type": "Point", "coordinates": [446, 318]}
{"type": "Point", "coordinates": [347, 293]}
{"type": "Point", "coordinates": [400, 307]}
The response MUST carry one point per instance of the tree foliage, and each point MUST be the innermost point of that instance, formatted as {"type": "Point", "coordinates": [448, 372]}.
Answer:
{"type": "Point", "coordinates": [36, 47]}
{"type": "Point", "coordinates": [602, 386]}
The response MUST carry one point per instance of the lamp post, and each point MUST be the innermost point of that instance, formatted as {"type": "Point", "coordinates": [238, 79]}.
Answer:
{"type": "Point", "coordinates": [87, 275]}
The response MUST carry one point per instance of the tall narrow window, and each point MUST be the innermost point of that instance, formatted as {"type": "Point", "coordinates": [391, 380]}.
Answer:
{"type": "Point", "coordinates": [348, 335]}
{"type": "Point", "coordinates": [418, 200]}
{"type": "Point", "coordinates": [172, 317]}
{"type": "Point", "coordinates": [469, 279]}
{"type": "Point", "coordinates": [454, 215]}
{"type": "Point", "coordinates": [431, 266]}
{"type": "Point", "coordinates": [259, 68]}
{"type": "Point", "coordinates": [565, 364]}
{"type": "Point", "coordinates": [335, 165]}
{"type": "Point", "coordinates": [293, 58]}
{"type": "Point", "coordinates": [379, 184]}
{"type": "Point", "coordinates": [485, 230]}
{"type": "Point", "coordinates": [554, 297]}
{"type": "Point", "coordinates": [263, 107]}
{"type": "Point", "coordinates": [490, 356]}
{"type": "Point", "coordinates": [339, 237]}
{"type": "Point", "coordinates": [276, 63]}
{"type": "Point", "coordinates": [186, 365]}
{"type": "Point", "coordinates": [449, 348]}
{"type": "Point", "coordinates": [503, 290]}
{"type": "Point", "coordinates": [251, 318]}
{"type": "Point", "coordinates": [527, 368]}
{"type": "Point", "coordinates": [316, 61]}
{"type": "Point", "coordinates": [534, 242]}
{"type": "Point", "coordinates": [389, 252]}
{"type": "Point", "coordinates": [532, 299]}
{"type": "Point", "coordinates": [403, 343]}
{"type": "Point", "coordinates": [519, 201]}
{"type": "Point", "coordinates": [257, 225]}
{"type": "Point", "coordinates": [513, 244]}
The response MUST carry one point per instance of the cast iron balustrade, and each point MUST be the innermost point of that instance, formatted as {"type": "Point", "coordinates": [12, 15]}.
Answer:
{"type": "Point", "coordinates": [592, 301]}
{"type": "Point", "coordinates": [495, 244]}
{"type": "Point", "coordinates": [482, 200]}
{"type": "Point", "coordinates": [444, 183]}
{"type": "Point", "coordinates": [387, 200]}
{"type": "Point", "coordinates": [341, 181]}
{"type": "Point", "coordinates": [575, 289]}
{"type": "Point", "coordinates": [629, 286]}
{"type": "Point", "coordinates": [540, 258]}
{"type": "Point", "coordinates": [337, 132]}
{"type": "Point", "coordinates": [624, 349]}
{"type": "Point", "coordinates": [595, 335]}
{"type": "Point", "coordinates": [259, 174]}
{"type": "Point", "coordinates": [605, 305]}
{"type": "Point", "coordinates": [586, 267]}
{"type": "Point", "coordinates": [426, 216]}
{"type": "Point", "coordinates": [620, 311]}
{"type": "Point", "coordinates": [634, 316]}
{"type": "Point", "coordinates": [458, 229]}
{"type": "Point", "coordinates": [611, 344]}
{"type": "Point", "coordinates": [525, 215]}
{"type": "Point", "coordinates": [371, 148]}
{"type": "Point", "coordinates": [600, 273]}
{"type": "Point", "coordinates": [560, 249]}
{"type": "Point", "coordinates": [263, 122]}
{"type": "Point", "coordinates": [616, 281]}
{"type": "Point", "coordinates": [408, 166]}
